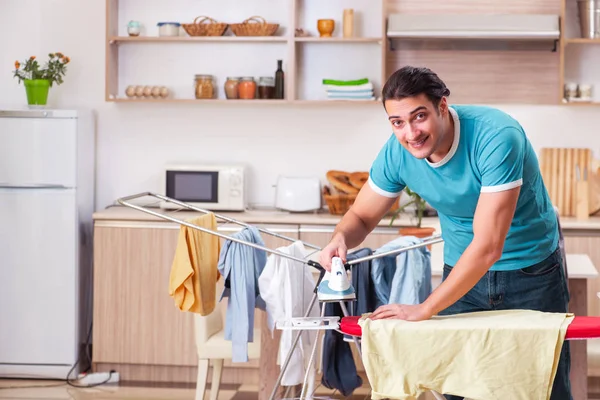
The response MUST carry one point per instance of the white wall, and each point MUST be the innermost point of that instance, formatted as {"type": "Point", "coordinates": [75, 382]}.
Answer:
{"type": "Point", "coordinates": [135, 140]}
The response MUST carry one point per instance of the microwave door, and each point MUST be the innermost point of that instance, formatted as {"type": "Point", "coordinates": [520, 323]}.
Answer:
{"type": "Point", "coordinates": [193, 186]}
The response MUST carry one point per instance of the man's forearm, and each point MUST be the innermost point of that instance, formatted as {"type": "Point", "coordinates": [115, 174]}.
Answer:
{"type": "Point", "coordinates": [470, 268]}
{"type": "Point", "coordinates": [352, 229]}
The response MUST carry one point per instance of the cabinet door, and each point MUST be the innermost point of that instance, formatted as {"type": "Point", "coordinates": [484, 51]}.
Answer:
{"type": "Point", "coordinates": [587, 243]}
{"type": "Point", "coordinates": [135, 319]}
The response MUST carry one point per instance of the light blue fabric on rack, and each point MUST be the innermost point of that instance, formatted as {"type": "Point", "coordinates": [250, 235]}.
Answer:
{"type": "Point", "coordinates": [241, 265]}
{"type": "Point", "coordinates": [404, 278]}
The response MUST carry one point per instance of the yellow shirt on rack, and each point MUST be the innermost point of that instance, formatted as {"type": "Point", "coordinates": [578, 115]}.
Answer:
{"type": "Point", "coordinates": [194, 271]}
{"type": "Point", "coordinates": [490, 355]}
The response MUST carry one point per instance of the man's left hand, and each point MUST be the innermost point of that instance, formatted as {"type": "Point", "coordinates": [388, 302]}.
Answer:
{"type": "Point", "coordinates": [406, 312]}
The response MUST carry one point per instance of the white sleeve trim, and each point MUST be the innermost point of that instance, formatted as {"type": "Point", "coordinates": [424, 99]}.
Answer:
{"type": "Point", "coordinates": [504, 186]}
{"type": "Point", "coordinates": [380, 191]}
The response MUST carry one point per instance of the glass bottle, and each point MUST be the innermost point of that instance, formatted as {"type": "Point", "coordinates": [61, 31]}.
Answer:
{"type": "Point", "coordinates": [279, 81]}
{"type": "Point", "coordinates": [266, 87]}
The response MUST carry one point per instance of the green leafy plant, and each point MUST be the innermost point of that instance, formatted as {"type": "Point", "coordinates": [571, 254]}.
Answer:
{"type": "Point", "coordinates": [417, 201]}
{"type": "Point", "coordinates": [53, 71]}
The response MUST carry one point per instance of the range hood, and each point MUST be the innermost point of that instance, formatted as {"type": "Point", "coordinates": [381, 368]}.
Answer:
{"type": "Point", "coordinates": [474, 26]}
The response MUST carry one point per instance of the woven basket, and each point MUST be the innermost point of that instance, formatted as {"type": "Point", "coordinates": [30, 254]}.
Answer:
{"type": "Point", "coordinates": [198, 28]}
{"type": "Point", "coordinates": [338, 204]}
{"type": "Point", "coordinates": [258, 28]}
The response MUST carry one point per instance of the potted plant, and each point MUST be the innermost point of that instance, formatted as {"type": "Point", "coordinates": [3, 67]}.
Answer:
{"type": "Point", "coordinates": [38, 80]}
{"type": "Point", "coordinates": [420, 206]}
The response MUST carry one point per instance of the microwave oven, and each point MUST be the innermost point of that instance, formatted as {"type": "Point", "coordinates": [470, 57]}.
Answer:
{"type": "Point", "coordinates": [209, 187]}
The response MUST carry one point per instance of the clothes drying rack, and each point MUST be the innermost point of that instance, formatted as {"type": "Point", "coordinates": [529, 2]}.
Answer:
{"type": "Point", "coordinates": [129, 201]}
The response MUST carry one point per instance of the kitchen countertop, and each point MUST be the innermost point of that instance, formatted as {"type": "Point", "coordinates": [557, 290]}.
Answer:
{"type": "Point", "coordinates": [580, 265]}
{"type": "Point", "coordinates": [122, 213]}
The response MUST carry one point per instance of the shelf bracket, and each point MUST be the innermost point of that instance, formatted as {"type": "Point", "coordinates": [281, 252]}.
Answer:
{"type": "Point", "coordinates": [555, 46]}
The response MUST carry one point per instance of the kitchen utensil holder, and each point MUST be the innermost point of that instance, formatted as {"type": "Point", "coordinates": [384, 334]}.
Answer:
{"type": "Point", "coordinates": [257, 28]}
{"type": "Point", "coordinates": [199, 28]}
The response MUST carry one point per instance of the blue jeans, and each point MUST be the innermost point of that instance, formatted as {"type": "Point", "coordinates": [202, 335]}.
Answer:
{"type": "Point", "coordinates": [542, 287]}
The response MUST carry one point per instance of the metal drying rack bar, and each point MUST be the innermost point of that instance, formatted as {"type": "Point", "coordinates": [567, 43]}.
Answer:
{"type": "Point", "coordinates": [126, 201]}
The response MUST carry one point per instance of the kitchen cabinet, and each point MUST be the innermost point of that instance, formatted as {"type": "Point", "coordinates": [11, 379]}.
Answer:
{"type": "Point", "coordinates": [137, 330]}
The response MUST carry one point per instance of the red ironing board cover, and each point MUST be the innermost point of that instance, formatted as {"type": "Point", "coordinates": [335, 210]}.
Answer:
{"type": "Point", "coordinates": [580, 328]}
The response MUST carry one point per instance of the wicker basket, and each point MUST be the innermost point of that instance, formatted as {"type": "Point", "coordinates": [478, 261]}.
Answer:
{"type": "Point", "coordinates": [338, 204]}
{"type": "Point", "coordinates": [198, 28]}
{"type": "Point", "coordinates": [259, 28]}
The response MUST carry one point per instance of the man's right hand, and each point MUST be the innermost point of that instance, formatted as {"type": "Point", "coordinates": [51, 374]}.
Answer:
{"type": "Point", "coordinates": [336, 248]}
{"type": "Point", "coordinates": [367, 210]}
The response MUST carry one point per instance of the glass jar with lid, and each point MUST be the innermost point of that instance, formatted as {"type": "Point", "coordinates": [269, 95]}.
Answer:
{"type": "Point", "coordinates": [266, 87]}
{"type": "Point", "coordinates": [231, 87]}
{"type": "Point", "coordinates": [205, 88]}
{"type": "Point", "coordinates": [247, 88]}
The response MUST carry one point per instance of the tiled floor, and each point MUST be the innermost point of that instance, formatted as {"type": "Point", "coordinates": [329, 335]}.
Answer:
{"type": "Point", "coordinates": [55, 390]}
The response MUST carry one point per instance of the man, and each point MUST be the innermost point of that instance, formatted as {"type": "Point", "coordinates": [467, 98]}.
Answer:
{"type": "Point", "coordinates": [477, 168]}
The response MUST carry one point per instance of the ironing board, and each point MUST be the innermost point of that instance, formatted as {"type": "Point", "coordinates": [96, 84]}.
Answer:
{"type": "Point", "coordinates": [581, 328]}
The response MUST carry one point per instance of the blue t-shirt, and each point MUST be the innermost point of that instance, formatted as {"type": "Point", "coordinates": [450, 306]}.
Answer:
{"type": "Point", "coordinates": [490, 153]}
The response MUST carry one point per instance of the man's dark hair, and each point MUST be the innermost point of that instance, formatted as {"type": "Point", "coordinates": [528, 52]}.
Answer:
{"type": "Point", "coordinates": [411, 81]}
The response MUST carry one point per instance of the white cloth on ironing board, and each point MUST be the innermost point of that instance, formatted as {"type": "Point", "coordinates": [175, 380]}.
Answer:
{"type": "Point", "coordinates": [287, 287]}
{"type": "Point", "coordinates": [488, 355]}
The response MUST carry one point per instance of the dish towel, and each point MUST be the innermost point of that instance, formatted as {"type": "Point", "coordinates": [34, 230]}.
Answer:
{"type": "Point", "coordinates": [241, 265]}
{"type": "Point", "coordinates": [359, 89]}
{"type": "Point", "coordinates": [194, 273]}
{"type": "Point", "coordinates": [488, 355]}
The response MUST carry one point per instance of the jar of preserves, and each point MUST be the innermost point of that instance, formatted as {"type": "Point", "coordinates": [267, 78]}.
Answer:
{"type": "Point", "coordinates": [266, 87]}
{"type": "Point", "coordinates": [247, 88]}
{"type": "Point", "coordinates": [231, 88]}
{"type": "Point", "coordinates": [205, 88]}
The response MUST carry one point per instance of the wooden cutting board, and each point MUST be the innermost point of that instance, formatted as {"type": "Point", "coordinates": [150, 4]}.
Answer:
{"type": "Point", "coordinates": [561, 169]}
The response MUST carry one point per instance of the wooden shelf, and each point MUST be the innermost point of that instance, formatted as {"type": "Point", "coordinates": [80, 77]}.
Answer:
{"type": "Point", "coordinates": [311, 39]}
{"type": "Point", "coordinates": [492, 75]}
{"type": "Point", "coordinates": [246, 102]}
{"type": "Point", "coordinates": [582, 41]}
{"type": "Point", "coordinates": [170, 62]}
{"type": "Point", "coordinates": [199, 101]}
{"type": "Point", "coordinates": [192, 39]}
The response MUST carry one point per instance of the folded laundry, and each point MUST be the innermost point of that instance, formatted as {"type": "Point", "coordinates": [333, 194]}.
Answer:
{"type": "Point", "coordinates": [351, 98]}
{"type": "Point", "coordinates": [349, 88]}
{"type": "Point", "coordinates": [337, 82]}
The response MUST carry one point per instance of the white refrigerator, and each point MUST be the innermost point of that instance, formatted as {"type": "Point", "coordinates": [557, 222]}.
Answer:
{"type": "Point", "coordinates": [47, 189]}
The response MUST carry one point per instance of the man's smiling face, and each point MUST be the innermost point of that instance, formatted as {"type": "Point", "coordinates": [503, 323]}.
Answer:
{"type": "Point", "coordinates": [418, 124]}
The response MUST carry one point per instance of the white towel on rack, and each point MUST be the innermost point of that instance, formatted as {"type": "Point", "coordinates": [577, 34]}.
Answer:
{"type": "Point", "coordinates": [287, 287]}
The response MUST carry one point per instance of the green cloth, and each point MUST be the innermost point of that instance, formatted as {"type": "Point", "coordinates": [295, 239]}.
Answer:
{"type": "Point", "coordinates": [345, 83]}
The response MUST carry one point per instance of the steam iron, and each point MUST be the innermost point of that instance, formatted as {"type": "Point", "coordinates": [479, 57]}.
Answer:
{"type": "Point", "coordinates": [335, 285]}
